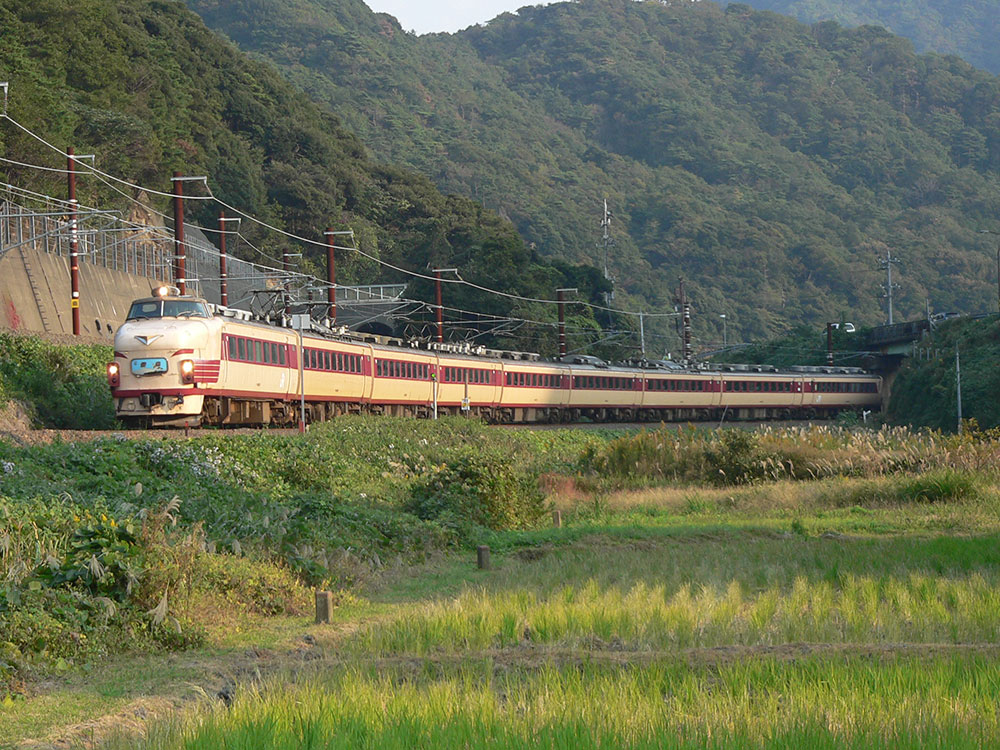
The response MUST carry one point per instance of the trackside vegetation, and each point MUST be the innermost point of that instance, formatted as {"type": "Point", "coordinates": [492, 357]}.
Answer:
{"type": "Point", "coordinates": [58, 386]}
{"type": "Point", "coordinates": [853, 606]}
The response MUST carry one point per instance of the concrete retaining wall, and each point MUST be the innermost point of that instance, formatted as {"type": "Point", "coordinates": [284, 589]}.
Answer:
{"type": "Point", "coordinates": [35, 294]}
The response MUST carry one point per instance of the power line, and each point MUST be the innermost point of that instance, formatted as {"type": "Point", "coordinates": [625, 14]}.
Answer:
{"type": "Point", "coordinates": [211, 196]}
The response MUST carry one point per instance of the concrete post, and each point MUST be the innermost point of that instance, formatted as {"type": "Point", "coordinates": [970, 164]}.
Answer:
{"type": "Point", "coordinates": [324, 607]}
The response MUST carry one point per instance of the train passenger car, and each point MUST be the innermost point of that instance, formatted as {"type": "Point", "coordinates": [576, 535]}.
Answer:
{"type": "Point", "coordinates": [676, 396]}
{"type": "Point", "coordinates": [178, 362]}
{"type": "Point", "coordinates": [534, 392]}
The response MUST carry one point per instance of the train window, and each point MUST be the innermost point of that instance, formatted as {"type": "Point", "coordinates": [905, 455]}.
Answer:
{"type": "Point", "coordinates": [267, 354]}
{"type": "Point", "coordinates": [257, 354]}
{"type": "Point", "coordinates": [281, 354]}
{"type": "Point", "coordinates": [274, 353]}
{"type": "Point", "coordinates": [232, 346]}
{"type": "Point", "coordinates": [241, 348]}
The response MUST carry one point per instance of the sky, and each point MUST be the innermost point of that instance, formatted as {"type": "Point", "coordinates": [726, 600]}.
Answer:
{"type": "Point", "coordinates": [424, 16]}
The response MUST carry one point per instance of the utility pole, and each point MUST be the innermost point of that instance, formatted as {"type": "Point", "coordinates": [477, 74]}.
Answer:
{"type": "Point", "coordinates": [829, 343]}
{"type": "Point", "coordinates": [74, 247]}
{"type": "Point", "coordinates": [725, 320]}
{"type": "Point", "coordinates": [642, 336]}
{"type": "Point", "coordinates": [331, 276]}
{"type": "Point", "coordinates": [286, 266]}
{"type": "Point", "coordinates": [561, 296]}
{"type": "Point", "coordinates": [223, 272]}
{"type": "Point", "coordinates": [886, 264]}
{"type": "Point", "coordinates": [180, 247]}
{"type": "Point", "coordinates": [958, 387]}
{"type": "Point", "coordinates": [996, 234]}
{"type": "Point", "coordinates": [685, 310]}
{"type": "Point", "coordinates": [223, 285]}
{"type": "Point", "coordinates": [437, 295]}
{"type": "Point", "coordinates": [607, 242]}
{"type": "Point", "coordinates": [179, 259]}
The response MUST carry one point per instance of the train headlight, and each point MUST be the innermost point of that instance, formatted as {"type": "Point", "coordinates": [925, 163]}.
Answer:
{"type": "Point", "coordinates": [114, 375]}
{"type": "Point", "coordinates": [187, 371]}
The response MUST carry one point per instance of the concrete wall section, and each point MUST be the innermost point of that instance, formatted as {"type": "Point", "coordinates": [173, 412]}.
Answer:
{"type": "Point", "coordinates": [35, 294]}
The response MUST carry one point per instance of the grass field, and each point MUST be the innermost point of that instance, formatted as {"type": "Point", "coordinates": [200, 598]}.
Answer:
{"type": "Point", "coordinates": [860, 609]}
{"type": "Point", "coordinates": [728, 621]}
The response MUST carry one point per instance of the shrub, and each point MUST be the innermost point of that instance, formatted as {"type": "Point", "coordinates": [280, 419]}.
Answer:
{"type": "Point", "coordinates": [478, 488]}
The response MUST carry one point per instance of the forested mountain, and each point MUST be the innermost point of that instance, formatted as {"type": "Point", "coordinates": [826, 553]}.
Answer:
{"type": "Point", "coordinates": [148, 88]}
{"type": "Point", "coordinates": [767, 161]}
{"type": "Point", "coordinates": [967, 28]}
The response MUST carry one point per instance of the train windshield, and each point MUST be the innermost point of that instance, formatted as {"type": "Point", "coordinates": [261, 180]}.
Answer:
{"type": "Point", "coordinates": [168, 308]}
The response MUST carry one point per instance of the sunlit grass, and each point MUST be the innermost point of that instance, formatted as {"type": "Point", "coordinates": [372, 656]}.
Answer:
{"type": "Point", "coordinates": [943, 702]}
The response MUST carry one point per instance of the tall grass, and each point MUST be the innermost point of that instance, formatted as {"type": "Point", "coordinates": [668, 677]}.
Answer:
{"type": "Point", "coordinates": [853, 609]}
{"type": "Point", "coordinates": [899, 703]}
{"type": "Point", "coordinates": [734, 456]}
{"type": "Point", "coordinates": [706, 590]}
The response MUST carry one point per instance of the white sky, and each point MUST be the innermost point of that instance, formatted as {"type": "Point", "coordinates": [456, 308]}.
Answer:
{"type": "Point", "coordinates": [424, 16]}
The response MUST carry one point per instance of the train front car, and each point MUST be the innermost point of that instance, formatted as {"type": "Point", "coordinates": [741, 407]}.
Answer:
{"type": "Point", "coordinates": [167, 348]}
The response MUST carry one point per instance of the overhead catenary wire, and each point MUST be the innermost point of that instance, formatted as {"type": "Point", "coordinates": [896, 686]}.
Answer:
{"type": "Point", "coordinates": [250, 217]}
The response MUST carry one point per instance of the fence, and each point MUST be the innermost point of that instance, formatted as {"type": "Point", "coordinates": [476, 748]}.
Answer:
{"type": "Point", "coordinates": [106, 239]}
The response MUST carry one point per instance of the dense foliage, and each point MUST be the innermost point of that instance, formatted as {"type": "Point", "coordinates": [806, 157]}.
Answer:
{"type": "Point", "coordinates": [768, 162]}
{"type": "Point", "coordinates": [58, 386]}
{"type": "Point", "coordinates": [115, 545]}
{"type": "Point", "coordinates": [149, 89]}
{"type": "Point", "coordinates": [967, 28]}
{"type": "Point", "coordinates": [925, 391]}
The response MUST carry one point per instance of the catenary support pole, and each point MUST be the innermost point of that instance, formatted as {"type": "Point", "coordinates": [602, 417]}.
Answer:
{"type": "Point", "coordinates": [331, 277]}
{"type": "Point", "coordinates": [179, 247]}
{"type": "Point", "coordinates": [685, 323]}
{"type": "Point", "coordinates": [286, 266]}
{"type": "Point", "coordinates": [223, 278]}
{"type": "Point", "coordinates": [829, 343]}
{"type": "Point", "coordinates": [561, 297]}
{"type": "Point", "coordinates": [958, 387]}
{"type": "Point", "coordinates": [74, 244]}
{"type": "Point", "coordinates": [438, 308]}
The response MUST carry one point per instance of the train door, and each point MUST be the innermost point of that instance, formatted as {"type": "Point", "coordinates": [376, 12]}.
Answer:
{"type": "Point", "coordinates": [368, 370]}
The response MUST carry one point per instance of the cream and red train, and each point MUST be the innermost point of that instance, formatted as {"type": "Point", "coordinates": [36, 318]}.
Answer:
{"type": "Point", "coordinates": [178, 362]}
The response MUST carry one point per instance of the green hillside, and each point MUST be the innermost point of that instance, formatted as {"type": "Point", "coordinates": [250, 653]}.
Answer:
{"type": "Point", "coordinates": [967, 28]}
{"type": "Point", "coordinates": [766, 161]}
{"type": "Point", "coordinates": [925, 394]}
{"type": "Point", "coordinates": [149, 89]}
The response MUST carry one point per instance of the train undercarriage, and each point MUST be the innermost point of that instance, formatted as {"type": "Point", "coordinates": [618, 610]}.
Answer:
{"type": "Point", "coordinates": [232, 412]}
